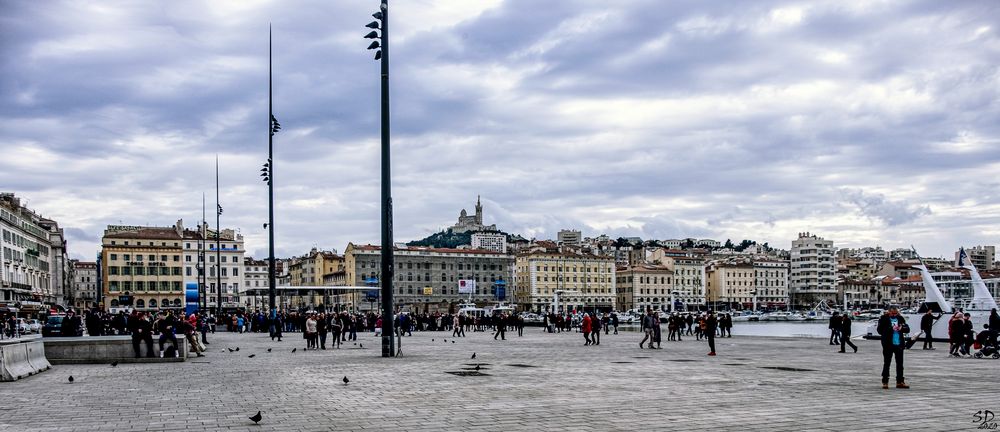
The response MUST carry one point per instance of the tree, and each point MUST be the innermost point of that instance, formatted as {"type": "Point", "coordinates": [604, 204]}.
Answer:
{"type": "Point", "coordinates": [729, 244]}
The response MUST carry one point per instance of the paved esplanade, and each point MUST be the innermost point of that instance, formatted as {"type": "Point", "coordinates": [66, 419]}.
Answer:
{"type": "Point", "coordinates": [614, 386]}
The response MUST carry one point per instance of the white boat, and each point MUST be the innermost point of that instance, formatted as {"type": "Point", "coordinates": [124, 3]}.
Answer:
{"type": "Point", "coordinates": [775, 316]}
{"type": "Point", "coordinates": [978, 308]}
{"type": "Point", "coordinates": [469, 309]}
{"type": "Point", "coordinates": [500, 308]}
{"type": "Point", "coordinates": [745, 317]}
{"type": "Point", "coordinates": [822, 312]}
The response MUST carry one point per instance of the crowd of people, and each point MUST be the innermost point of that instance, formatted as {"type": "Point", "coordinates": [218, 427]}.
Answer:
{"type": "Point", "coordinates": [962, 335]}
{"type": "Point", "coordinates": [8, 326]}
{"type": "Point", "coordinates": [840, 331]}
{"type": "Point", "coordinates": [319, 328]}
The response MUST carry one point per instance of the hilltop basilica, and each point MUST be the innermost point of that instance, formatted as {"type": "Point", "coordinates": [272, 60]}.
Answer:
{"type": "Point", "coordinates": [468, 223]}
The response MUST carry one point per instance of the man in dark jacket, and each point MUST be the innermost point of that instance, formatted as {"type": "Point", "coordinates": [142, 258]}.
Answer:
{"type": "Point", "coordinates": [845, 333]}
{"type": "Point", "coordinates": [166, 326]}
{"type": "Point", "coordinates": [969, 335]}
{"type": "Point", "coordinates": [93, 323]}
{"type": "Point", "coordinates": [835, 328]}
{"type": "Point", "coordinates": [711, 323]}
{"type": "Point", "coordinates": [142, 331]}
{"type": "Point", "coordinates": [926, 327]}
{"type": "Point", "coordinates": [892, 327]}
{"type": "Point", "coordinates": [994, 324]}
{"type": "Point", "coordinates": [70, 324]}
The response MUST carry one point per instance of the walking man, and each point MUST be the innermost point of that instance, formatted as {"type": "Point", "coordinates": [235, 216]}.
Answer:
{"type": "Point", "coordinates": [711, 323]}
{"type": "Point", "coordinates": [647, 328]}
{"type": "Point", "coordinates": [458, 330]}
{"type": "Point", "coordinates": [926, 327]}
{"type": "Point", "coordinates": [585, 329]}
{"type": "Point", "coordinates": [595, 329]}
{"type": "Point", "coordinates": [834, 328]}
{"type": "Point", "coordinates": [891, 327]}
{"type": "Point", "coordinates": [501, 323]}
{"type": "Point", "coordinates": [845, 333]}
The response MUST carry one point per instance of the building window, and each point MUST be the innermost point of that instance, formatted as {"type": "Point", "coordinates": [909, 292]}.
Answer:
{"type": "Point", "coordinates": [236, 271]}
{"type": "Point", "coordinates": [114, 257]}
{"type": "Point", "coordinates": [152, 303]}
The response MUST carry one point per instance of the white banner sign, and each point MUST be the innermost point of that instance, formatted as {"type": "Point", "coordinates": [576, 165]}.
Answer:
{"type": "Point", "coordinates": [466, 286]}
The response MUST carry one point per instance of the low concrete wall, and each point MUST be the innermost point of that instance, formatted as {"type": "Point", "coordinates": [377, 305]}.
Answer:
{"type": "Point", "coordinates": [23, 357]}
{"type": "Point", "coordinates": [106, 349]}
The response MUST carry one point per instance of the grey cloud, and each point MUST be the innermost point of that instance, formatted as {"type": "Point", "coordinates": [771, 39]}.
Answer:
{"type": "Point", "coordinates": [891, 212]}
{"type": "Point", "coordinates": [583, 114]}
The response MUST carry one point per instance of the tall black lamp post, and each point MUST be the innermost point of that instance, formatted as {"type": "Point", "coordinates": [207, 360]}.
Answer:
{"type": "Point", "coordinates": [388, 266]}
{"type": "Point", "coordinates": [267, 172]}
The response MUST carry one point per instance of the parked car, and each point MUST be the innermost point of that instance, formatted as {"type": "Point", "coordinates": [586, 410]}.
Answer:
{"type": "Point", "coordinates": [53, 326]}
{"type": "Point", "coordinates": [29, 325]}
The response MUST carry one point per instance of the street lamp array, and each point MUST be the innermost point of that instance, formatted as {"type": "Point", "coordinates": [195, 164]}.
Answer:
{"type": "Point", "coordinates": [267, 172]}
{"type": "Point", "coordinates": [380, 34]}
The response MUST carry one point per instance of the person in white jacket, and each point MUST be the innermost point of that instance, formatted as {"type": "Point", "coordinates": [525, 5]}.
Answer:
{"type": "Point", "coordinates": [310, 333]}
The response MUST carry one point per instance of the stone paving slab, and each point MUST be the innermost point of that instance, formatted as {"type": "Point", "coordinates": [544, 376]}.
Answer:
{"type": "Point", "coordinates": [569, 386]}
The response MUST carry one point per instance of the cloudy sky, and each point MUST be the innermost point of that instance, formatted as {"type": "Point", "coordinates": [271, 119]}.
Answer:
{"type": "Point", "coordinates": [866, 122]}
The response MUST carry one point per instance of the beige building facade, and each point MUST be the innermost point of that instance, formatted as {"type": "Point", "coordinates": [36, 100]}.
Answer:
{"type": "Point", "coordinates": [142, 267]}
{"type": "Point", "coordinates": [584, 281]}
{"type": "Point", "coordinates": [644, 286]}
{"type": "Point", "coordinates": [427, 279]}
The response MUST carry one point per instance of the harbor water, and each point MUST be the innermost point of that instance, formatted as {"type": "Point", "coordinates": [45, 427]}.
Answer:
{"type": "Point", "coordinates": [806, 329]}
{"type": "Point", "coordinates": [812, 329]}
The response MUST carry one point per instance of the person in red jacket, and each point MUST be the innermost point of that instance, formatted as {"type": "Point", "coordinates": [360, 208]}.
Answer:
{"type": "Point", "coordinates": [585, 328]}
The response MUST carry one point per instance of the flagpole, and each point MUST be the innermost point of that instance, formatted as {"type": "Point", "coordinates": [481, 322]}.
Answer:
{"type": "Point", "coordinates": [202, 292]}
{"type": "Point", "coordinates": [218, 251]}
